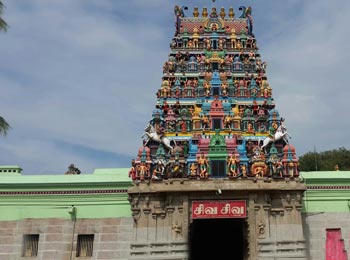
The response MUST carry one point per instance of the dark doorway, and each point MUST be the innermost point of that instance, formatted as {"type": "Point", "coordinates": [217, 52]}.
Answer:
{"type": "Point", "coordinates": [216, 91]}
{"type": "Point", "coordinates": [217, 239]}
{"type": "Point", "coordinates": [218, 168]}
{"type": "Point", "coordinates": [216, 123]}
{"type": "Point", "coordinates": [214, 44]}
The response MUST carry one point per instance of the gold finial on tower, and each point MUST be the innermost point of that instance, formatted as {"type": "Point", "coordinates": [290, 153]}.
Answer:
{"type": "Point", "coordinates": [205, 12]}
{"type": "Point", "coordinates": [222, 13]}
{"type": "Point", "coordinates": [231, 13]}
{"type": "Point", "coordinates": [195, 12]}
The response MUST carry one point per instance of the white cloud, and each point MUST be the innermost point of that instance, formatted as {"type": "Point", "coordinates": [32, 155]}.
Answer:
{"type": "Point", "coordinates": [308, 71]}
{"type": "Point", "coordinates": [85, 73]}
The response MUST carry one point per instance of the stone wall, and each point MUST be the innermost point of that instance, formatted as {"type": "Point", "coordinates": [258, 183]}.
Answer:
{"type": "Point", "coordinates": [315, 225]}
{"type": "Point", "coordinates": [280, 219]}
{"type": "Point", "coordinates": [58, 238]}
{"type": "Point", "coordinates": [113, 237]}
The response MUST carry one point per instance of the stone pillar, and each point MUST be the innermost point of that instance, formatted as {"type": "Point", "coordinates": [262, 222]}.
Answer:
{"type": "Point", "coordinates": [283, 237]}
{"type": "Point", "coordinates": [159, 227]}
{"type": "Point", "coordinates": [252, 238]}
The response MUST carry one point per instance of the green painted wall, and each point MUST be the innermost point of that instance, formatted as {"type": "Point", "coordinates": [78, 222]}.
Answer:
{"type": "Point", "coordinates": [92, 195]}
{"type": "Point", "coordinates": [327, 191]}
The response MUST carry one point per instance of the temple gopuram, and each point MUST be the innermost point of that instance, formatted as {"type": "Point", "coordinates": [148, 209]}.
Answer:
{"type": "Point", "coordinates": [215, 116]}
{"type": "Point", "coordinates": [216, 169]}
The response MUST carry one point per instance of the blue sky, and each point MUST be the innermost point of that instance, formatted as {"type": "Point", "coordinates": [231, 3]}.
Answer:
{"type": "Point", "coordinates": [78, 77]}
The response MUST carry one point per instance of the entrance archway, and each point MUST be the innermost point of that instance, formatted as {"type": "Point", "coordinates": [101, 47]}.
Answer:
{"type": "Point", "coordinates": [222, 239]}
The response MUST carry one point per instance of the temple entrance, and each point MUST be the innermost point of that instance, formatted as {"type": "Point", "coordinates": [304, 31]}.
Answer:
{"type": "Point", "coordinates": [217, 239]}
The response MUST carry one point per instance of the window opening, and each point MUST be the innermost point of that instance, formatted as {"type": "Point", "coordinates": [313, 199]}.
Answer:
{"type": "Point", "coordinates": [216, 123]}
{"type": "Point", "coordinates": [218, 168]}
{"type": "Point", "coordinates": [85, 245]}
{"type": "Point", "coordinates": [30, 245]}
{"type": "Point", "coordinates": [216, 91]}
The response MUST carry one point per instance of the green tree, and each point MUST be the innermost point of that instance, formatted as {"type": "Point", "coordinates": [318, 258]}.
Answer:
{"type": "Point", "coordinates": [325, 161]}
{"type": "Point", "coordinates": [308, 162]}
{"type": "Point", "coordinates": [3, 24]}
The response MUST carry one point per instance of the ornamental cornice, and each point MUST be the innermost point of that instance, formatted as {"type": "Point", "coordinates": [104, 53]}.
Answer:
{"type": "Point", "coordinates": [329, 187]}
{"type": "Point", "coordinates": [64, 185]}
{"type": "Point", "coordinates": [225, 185]}
{"type": "Point", "coordinates": [63, 192]}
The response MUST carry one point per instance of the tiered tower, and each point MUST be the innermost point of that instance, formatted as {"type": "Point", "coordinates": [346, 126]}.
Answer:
{"type": "Point", "coordinates": [216, 157]}
{"type": "Point", "coordinates": [214, 116]}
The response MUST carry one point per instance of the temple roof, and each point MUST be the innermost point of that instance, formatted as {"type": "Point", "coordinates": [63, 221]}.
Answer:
{"type": "Point", "coordinates": [237, 24]}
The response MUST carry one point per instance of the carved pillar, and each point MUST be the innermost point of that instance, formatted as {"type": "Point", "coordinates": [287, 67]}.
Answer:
{"type": "Point", "coordinates": [252, 241]}
{"type": "Point", "coordinates": [144, 222]}
{"type": "Point", "coordinates": [169, 220]}
{"type": "Point", "coordinates": [184, 213]}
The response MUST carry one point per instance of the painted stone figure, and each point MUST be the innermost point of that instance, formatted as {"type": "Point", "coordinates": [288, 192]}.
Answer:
{"type": "Point", "coordinates": [203, 166]}
{"type": "Point", "coordinates": [232, 162]}
{"type": "Point", "coordinates": [158, 171]}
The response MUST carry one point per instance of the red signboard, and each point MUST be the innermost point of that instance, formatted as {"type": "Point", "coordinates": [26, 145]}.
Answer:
{"type": "Point", "coordinates": [219, 209]}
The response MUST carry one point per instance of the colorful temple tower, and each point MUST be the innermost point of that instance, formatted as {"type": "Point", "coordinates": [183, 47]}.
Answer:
{"type": "Point", "coordinates": [215, 149]}
{"type": "Point", "coordinates": [215, 116]}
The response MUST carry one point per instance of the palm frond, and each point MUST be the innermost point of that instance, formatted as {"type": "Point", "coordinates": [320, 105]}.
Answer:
{"type": "Point", "coordinates": [1, 7]}
{"type": "Point", "coordinates": [3, 24]}
{"type": "Point", "coordinates": [4, 126]}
